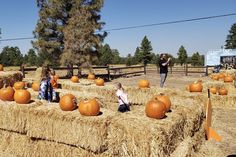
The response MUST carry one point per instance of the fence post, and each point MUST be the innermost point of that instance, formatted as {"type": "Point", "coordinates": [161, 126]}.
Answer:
{"type": "Point", "coordinates": [186, 70]}
{"type": "Point", "coordinates": [108, 73]}
{"type": "Point", "coordinates": [145, 69]}
{"type": "Point", "coordinates": [22, 69]}
{"type": "Point", "coordinates": [207, 70]}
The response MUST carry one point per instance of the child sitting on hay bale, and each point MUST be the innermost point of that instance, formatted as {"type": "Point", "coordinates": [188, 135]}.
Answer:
{"type": "Point", "coordinates": [122, 99]}
{"type": "Point", "coordinates": [46, 91]}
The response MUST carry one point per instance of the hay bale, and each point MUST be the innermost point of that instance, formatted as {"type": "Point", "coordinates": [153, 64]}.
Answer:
{"type": "Point", "coordinates": [10, 77]}
{"type": "Point", "coordinates": [13, 116]}
{"type": "Point", "coordinates": [37, 74]}
{"type": "Point", "coordinates": [22, 146]}
{"type": "Point", "coordinates": [134, 134]}
{"type": "Point", "coordinates": [51, 123]}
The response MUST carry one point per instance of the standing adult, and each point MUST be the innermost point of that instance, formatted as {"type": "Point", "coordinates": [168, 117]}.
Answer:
{"type": "Point", "coordinates": [163, 64]}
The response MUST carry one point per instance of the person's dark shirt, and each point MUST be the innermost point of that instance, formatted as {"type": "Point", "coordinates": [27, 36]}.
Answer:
{"type": "Point", "coordinates": [163, 69]}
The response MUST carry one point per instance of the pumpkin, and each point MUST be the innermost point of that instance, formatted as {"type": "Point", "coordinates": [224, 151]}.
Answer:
{"type": "Point", "coordinates": [7, 94]}
{"type": "Point", "coordinates": [91, 76]}
{"type": "Point", "coordinates": [221, 76]}
{"type": "Point", "coordinates": [22, 96]}
{"type": "Point", "coordinates": [68, 102]}
{"type": "Point", "coordinates": [89, 107]}
{"type": "Point", "coordinates": [99, 82]}
{"type": "Point", "coordinates": [35, 86]}
{"type": "Point", "coordinates": [74, 79]}
{"type": "Point", "coordinates": [215, 77]}
{"type": "Point", "coordinates": [1, 67]}
{"type": "Point", "coordinates": [228, 79]}
{"type": "Point", "coordinates": [213, 90]}
{"type": "Point", "coordinates": [19, 85]}
{"type": "Point", "coordinates": [195, 87]}
{"type": "Point", "coordinates": [155, 109]}
{"type": "Point", "coordinates": [54, 82]}
{"type": "Point", "coordinates": [143, 84]}
{"type": "Point", "coordinates": [163, 98]}
{"type": "Point", "coordinates": [223, 91]}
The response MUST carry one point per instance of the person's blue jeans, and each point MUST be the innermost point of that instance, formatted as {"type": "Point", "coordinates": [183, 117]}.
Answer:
{"type": "Point", "coordinates": [163, 79]}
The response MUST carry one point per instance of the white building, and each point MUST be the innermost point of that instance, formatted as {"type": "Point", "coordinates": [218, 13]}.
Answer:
{"type": "Point", "coordinates": [221, 56]}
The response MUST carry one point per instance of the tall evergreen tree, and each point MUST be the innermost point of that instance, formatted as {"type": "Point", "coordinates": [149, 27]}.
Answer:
{"type": "Point", "coordinates": [11, 56]}
{"type": "Point", "coordinates": [146, 49]}
{"type": "Point", "coordinates": [196, 59]}
{"type": "Point", "coordinates": [182, 55]}
{"type": "Point", "coordinates": [53, 16]}
{"type": "Point", "coordinates": [81, 40]}
{"type": "Point", "coordinates": [32, 58]}
{"type": "Point", "coordinates": [231, 38]}
{"type": "Point", "coordinates": [129, 60]}
{"type": "Point", "coordinates": [106, 55]}
{"type": "Point", "coordinates": [137, 56]}
{"type": "Point", "coordinates": [116, 56]}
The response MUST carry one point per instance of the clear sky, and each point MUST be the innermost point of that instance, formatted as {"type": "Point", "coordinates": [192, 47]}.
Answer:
{"type": "Point", "coordinates": [18, 19]}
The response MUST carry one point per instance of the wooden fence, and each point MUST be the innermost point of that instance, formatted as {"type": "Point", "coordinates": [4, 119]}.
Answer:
{"type": "Point", "coordinates": [111, 72]}
{"type": "Point", "coordinates": [115, 72]}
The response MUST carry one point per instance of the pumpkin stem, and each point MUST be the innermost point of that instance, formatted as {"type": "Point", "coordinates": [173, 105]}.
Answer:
{"type": "Point", "coordinates": [161, 94]}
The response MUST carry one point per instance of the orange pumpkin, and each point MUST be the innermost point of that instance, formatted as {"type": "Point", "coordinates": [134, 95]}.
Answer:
{"type": "Point", "coordinates": [68, 102]}
{"type": "Point", "coordinates": [163, 98]}
{"type": "Point", "coordinates": [213, 90]}
{"type": "Point", "coordinates": [89, 107]}
{"type": "Point", "coordinates": [75, 79]}
{"type": "Point", "coordinates": [22, 96]}
{"type": "Point", "coordinates": [228, 79]}
{"type": "Point", "coordinates": [7, 94]}
{"type": "Point", "coordinates": [19, 85]}
{"type": "Point", "coordinates": [223, 91]}
{"type": "Point", "coordinates": [195, 87]}
{"type": "Point", "coordinates": [215, 77]}
{"type": "Point", "coordinates": [91, 76]}
{"type": "Point", "coordinates": [54, 82]}
{"type": "Point", "coordinates": [143, 84]}
{"type": "Point", "coordinates": [221, 76]}
{"type": "Point", "coordinates": [35, 86]}
{"type": "Point", "coordinates": [155, 109]}
{"type": "Point", "coordinates": [99, 82]}
{"type": "Point", "coordinates": [1, 67]}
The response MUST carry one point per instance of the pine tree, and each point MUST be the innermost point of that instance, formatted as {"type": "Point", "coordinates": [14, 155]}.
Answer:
{"type": "Point", "coordinates": [129, 60]}
{"type": "Point", "coordinates": [53, 16]}
{"type": "Point", "coordinates": [106, 55]}
{"type": "Point", "coordinates": [137, 56]}
{"type": "Point", "coordinates": [146, 49]}
{"type": "Point", "coordinates": [81, 40]}
{"type": "Point", "coordinates": [231, 38]}
{"type": "Point", "coordinates": [32, 57]}
{"type": "Point", "coordinates": [182, 55]}
{"type": "Point", "coordinates": [11, 56]}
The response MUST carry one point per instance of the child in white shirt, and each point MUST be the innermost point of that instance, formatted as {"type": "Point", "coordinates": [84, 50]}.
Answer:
{"type": "Point", "coordinates": [122, 99]}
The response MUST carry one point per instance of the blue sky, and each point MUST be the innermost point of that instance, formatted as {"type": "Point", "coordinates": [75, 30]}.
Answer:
{"type": "Point", "coordinates": [18, 19]}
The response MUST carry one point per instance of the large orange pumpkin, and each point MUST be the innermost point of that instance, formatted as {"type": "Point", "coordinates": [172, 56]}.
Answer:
{"type": "Point", "coordinates": [215, 77]}
{"type": "Point", "coordinates": [163, 98]}
{"type": "Point", "coordinates": [68, 102]}
{"type": "Point", "coordinates": [91, 76]}
{"type": "Point", "coordinates": [74, 79]}
{"type": "Point", "coordinates": [22, 96]}
{"type": "Point", "coordinates": [213, 90]}
{"type": "Point", "coordinates": [155, 109]}
{"type": "Point", "coordinates": [143, 84]}
{"type": "Point", "coordinates": [19, 85]}
{"type": "Point", "coordinates": [99, 82]}
{"type": "Point", "coordinates": [221, 76]}
{"type": "Point", "coordinates": [1, 67]}
{"type": "Point", "coordinates": [7, 94]}
{"type": "Point", "coordinates": [223, 91]}
{"type": "Point", "coordinates": [195, 87]}
{"type": "Point", "coordinates": [35, 86]}
{"type": "Point", "coordinates": [89, 107]}
{"type": "Point", "coordinates": [228, 79]}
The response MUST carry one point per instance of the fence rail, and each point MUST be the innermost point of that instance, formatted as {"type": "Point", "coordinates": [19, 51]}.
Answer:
{"type": "Point", "coordinates": [114, 72]}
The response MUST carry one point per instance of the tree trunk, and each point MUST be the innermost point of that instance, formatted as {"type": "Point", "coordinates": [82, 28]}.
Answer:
{"type": "Point", "coordinates": [69, 70]}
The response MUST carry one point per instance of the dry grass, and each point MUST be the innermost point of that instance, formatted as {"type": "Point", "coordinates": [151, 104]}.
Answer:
{"type": "Point", "coordinates": [13, 117]}
{"type": "Point", "coordinates": [69, 127]}
{"type": "Point", "coordinates": [22, 146]}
